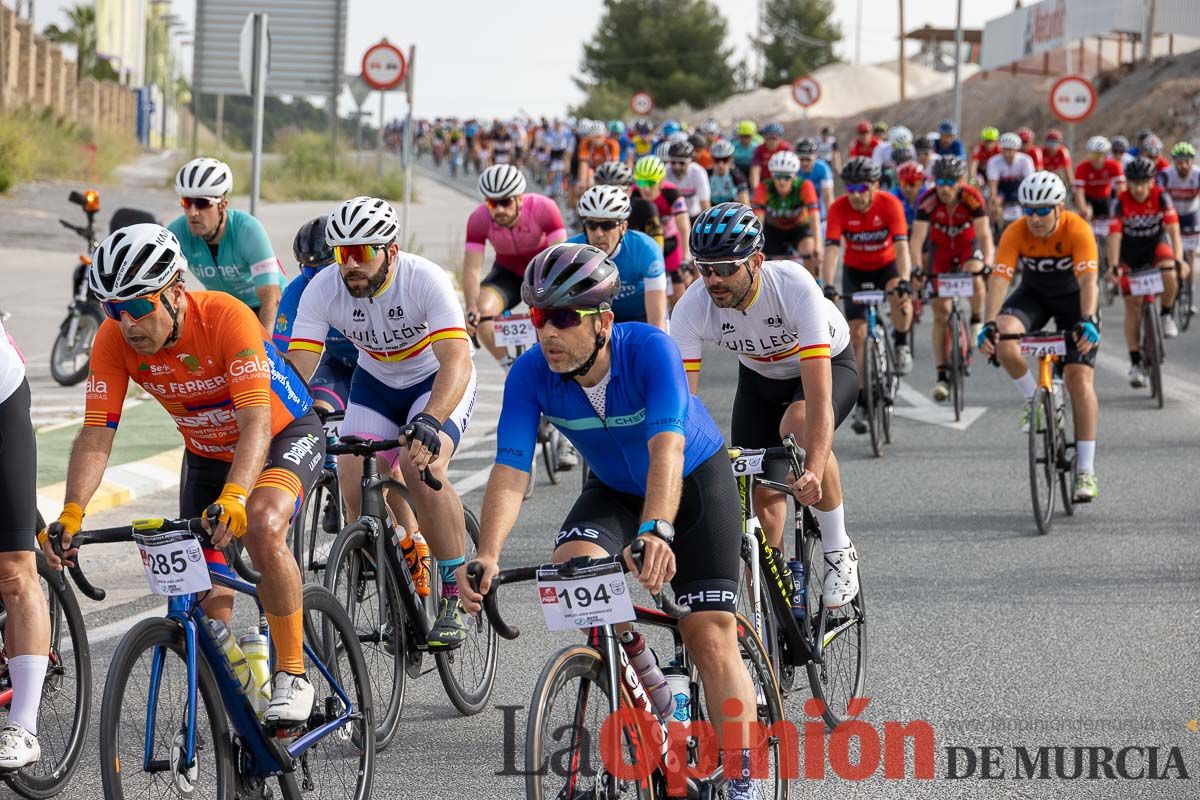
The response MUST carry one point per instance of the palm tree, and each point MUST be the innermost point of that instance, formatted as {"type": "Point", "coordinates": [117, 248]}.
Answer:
{"type": "Point", "coordinates": [81, 34]}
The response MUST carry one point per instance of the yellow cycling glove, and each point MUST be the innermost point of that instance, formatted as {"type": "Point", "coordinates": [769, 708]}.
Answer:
{"type": "Point", "coordinates": [71, 520]}
{"type": "Point", "coordinates": [233, 509]}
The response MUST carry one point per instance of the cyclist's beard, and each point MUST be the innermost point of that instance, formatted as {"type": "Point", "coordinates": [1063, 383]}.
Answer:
{"type": "Point", "coordinates": [373, 283]}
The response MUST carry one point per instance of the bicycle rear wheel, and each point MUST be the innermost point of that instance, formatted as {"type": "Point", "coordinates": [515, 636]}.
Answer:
{"type": "Point", "coordinates": [319, 520]}
{"type": "Point", "coordinates": [1042, 458]}
{"type": "Point", "coordinates": [550, 440]}
{"type": "Point", "coordinates": [1183, 303]}
{"type": "Point", "coordinates": [840, 680]}
{"type": "Point", "coordinates": [873, 393]}
{"type": "Point", "coordinates": [954, 337]}
{"type": "Point", "coordinates": [468, 672]}
{"type": "Point", "coordinates": [1152, 349]}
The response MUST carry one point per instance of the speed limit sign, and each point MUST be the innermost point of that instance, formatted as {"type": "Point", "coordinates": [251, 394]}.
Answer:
{"type": "Point", "coordinates": [641, 103]}
{"type": "Point", "coordinates": [1072, 98]}
{"type": "Point", "coordinates": [806, 91]}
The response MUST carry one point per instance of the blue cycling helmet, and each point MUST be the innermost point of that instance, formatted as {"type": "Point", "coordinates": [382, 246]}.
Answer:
{"type": "Point", "coordinates": [726, 231]}
{"type": "Point", "coordinates": [616, 127]}
{"type": "Point", "coordinates": [669, 127]}
{"type": "Point", "coordinates": [947, 127]}
{"type": "Point", "coordinates": [772, 129]}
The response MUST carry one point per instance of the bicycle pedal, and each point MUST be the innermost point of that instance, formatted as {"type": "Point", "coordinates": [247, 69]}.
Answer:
{"type": "Point", "coordinates": [287, 731]}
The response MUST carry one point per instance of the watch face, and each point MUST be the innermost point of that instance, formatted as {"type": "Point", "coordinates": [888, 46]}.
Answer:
{"type": "Point", "coordinates": [664, 531]}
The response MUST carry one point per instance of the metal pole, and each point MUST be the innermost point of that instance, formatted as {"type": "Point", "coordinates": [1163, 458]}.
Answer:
{"type": "Point", "coordinates": [1148, 49]}
{"type": "Point", "coordinates": [220, 120]}
{"type": "Point", "coordinates": [408, 136]}
{"type": "Point", "coordinates": [901, 61]}
{"type": "Point", "coordinates": [382, 97]}
{"type": "Point", "coordinates": [259, 82]}
{"type": "Point", "coordinates": [958, 45]}
{"type": "Point", "coordinates": [1071, 126]}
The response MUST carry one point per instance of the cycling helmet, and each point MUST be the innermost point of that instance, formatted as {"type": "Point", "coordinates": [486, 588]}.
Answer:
{"type": "Point", "coordinates": [204, 177]}
{"type": "Point", "coordinates": [880, 127]}
{"type": "Point", "coordinates": [989, 134]}
{"type": "Point", "coordinates": [310, 246]}
{"type": "Point", "coordinates": [949, 168]}
{"type": "Point", "coordinates": [1140, 169]}
{"type": "Point", "coordinates": [711, 127]}
{"type": "Point", "coordinates": [501, 181]}
{"type": "Point", "coordinates": [663, 150]}
{"type": "Point", "coordinates": [1054, 135]}
{"type": "Point", "coordinates": [362, 220]}
{"type": "Point", "coordinates": [806, 147]}
{"type": "Point", "coordinates": [721, 149]}
{"type": "Point", "coordinates": [1153, 145]}
{"type": "Point", "coordinates": [678, 136]}
{"type": "Point", "coordinates": [726, 231]}
{"type": "Point", "coordinates": [1119, 144]}
{"type": "Point", "coordinates": [570, 275]}
{"type": "Point", "coordinates": [649, 168]}
{"type": "Point", "coordinates": [861, 169]}
{"type": "Point", "coordinates": [772, 129]}
{"type": "Point", "coordinates": [604, 202]}
{"type": "Point", "coordinates": [901, 155]}
{"type": "Point", "coordinates": [863, 126]}
{"type": "Point", "coordinates": [613, 173]}
{"type": "Point", "coordinates": [643, 125]}
{"type": "Point", "coordinates": [134, 261]}
{"type": "Point", "coordinates": [947, 127]}
{"type": "Point", "coordinates": [1010, 141]}
{"type": "Point", "coordinates": [1098, 144]}
{"type": "Point", "coordinates": [669, 127]}
{"type": "Point", "coordinates": [899, 136]}
{"type": "Point", "coordinates": [597, 128]}
{"type": "Point", "coordinates": [616, 127]}
{"type": "Point", "coordinates": [1183, 150]}
{"type": "Point", "coordinates": [925, 143]}
{"type": "Point", "coordinates": [785, 162]}
{"type": "Point", "coordinates": [698, 140]}
{"type": "Point", "coordinates": [1041, 189]}
{"type": "Point", "coordinates": [1026, 134]}
{"type": "Point", "coordinates": [911, 172]}
{"type": "Point", "coordinates": [680, 150]}
{"type": "Point", "coordinates": [746, 128]}
{"type": "Point", "coordinates": [1144, 134]}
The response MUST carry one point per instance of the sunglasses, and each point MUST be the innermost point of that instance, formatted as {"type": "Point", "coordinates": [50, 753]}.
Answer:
{"type": "Point", "coordinates": [946, 181]}
{"type": "Point", "coordinates": [646, 184]}
{"type": "Point", "coordinates": [601, 224]}
{"type": "Point", "coordinates": [722, 160]}
{"type": "Point", "coordinates": [138, 308]}
{"type": "Point", "coordinates": [722, 269]}
{"type": "Point", "coordinates": [560, 318]}
{"type": "Point", "coordinates": [782, 176]}
{"type": "Point", "coordinates": [360, 253]}
{"type": "Point", "coordinates": [1044, 211]}
{"type": "Point", "coordinates": [198, 203]}
{"type": "Point", "coordinates": [857, 188]}
{"type": "Point", "coordinates": [683, 163]}
{"type": "Point", "coordinates": [505, 203]}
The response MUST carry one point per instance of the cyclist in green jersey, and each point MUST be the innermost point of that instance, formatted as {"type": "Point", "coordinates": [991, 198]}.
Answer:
{"type": "Point", "coordinates": [227, 250]}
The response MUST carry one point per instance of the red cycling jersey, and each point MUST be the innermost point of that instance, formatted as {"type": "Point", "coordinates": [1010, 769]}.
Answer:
{"type": "Point", "coordinates": [1097, 182]}
{"type": "Point", "coordinates": [762, 154]}
{"type": "Point", "coordinates": [982, 152]}
{"type": "Point", "coordinates": [951, 228]}
{"type": "Point", "coordinates": [1034, 152]}
{"type": "Point", "coordinates": [857, 148]}
{"type": "Point", "coordinates": [1058, 160]}
{"type": "Point", "coordinates": [871, 235]}
{"type": "Point", "coordinates": [1143, 226]}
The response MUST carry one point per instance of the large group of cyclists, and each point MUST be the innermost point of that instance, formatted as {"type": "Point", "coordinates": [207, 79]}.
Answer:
{"type": "Point", "coordinates": [320, 416]}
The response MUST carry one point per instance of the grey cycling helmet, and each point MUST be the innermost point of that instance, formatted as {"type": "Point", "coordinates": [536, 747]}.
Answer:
{"type": "Point", "coordinates": [721, 149]}
{"type": "Point", "coordinates": [613, 173]}
{"type": "Point", "coordinates": [861, 169]}
{"type": "Point", "coordinates": [570, 276]}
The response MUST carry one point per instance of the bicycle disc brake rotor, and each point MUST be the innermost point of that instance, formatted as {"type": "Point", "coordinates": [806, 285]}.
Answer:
{"type": "Point", "coordinates": [183, 777]}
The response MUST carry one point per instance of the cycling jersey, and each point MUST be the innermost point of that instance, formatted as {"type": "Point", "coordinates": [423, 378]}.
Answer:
{"type": "Point", "coordinates": [1036, 154]}
{"type": "Point", "coordinates": [647, 395]}
{"type": "Point", "coordinates": [642, 145]}
{"type": "Point", "coordinates": [639, 260]}
{"type": "Point", "coordinates": [220, 364]}
{"type": "Point", "coordinates": [910, 209]}
{"type": "Point", "coordinates": [788, 321]}
{"type": "Point", "coordinates": [743, 154]}
{"type": "Point", "coordinates": [538, 224]}
{"type": "Point", "coordinates": [955, 148]}
{"type": "Point", "coordinates": [704, 158]}
{"type": "Point", "coordinates": [951, 228]}
{"type": "Point", "coordinates": [826, 148]}
{"type": "Point", "coordinates": [1143, 226]}
{"type": "Point", "coordinates": [785, 212]}
{"type": "Point", "coordinates": [596, 153]}
{"type": "Point", "coordinates": [394, 328]}
{"type": "Point", "coordinates": [1056, 161]}
{"type": "Point", "coordinates": [762, 154]}
{"type": "Point", "coordinates": [871, 235]}
{"type": "Point", "coordinates": [667, 204]}
{"type": "Point", "coordinates": [693, 186]}
{"type": "Point", "coordinates": [244, 261]}
{"type": "Point", "coordinates": [1050, 266]}
{"type": "Point", "coordinates": [337, 347]}
{"type": "Point", "coordinates": [1097, 182]}
{"type": "Point", "coordinates": [725, 188]}
{"type": "Point", "coordinates": [1008, 176]}
{"type": "Point", "coordinates": [982, 153]}
{"type": "Point", "coordinates": [859, 148]}
{"type": "Point", "coordinates": [12, 365]}
{"type": "Point", "coordinates": [559, 140]}
{"type": "Point", "coordinates": [625, 148]}
{"type": "Point", "coordinates": [1184, 189]}
{"type": "Point", "coordinates": [821, 176]}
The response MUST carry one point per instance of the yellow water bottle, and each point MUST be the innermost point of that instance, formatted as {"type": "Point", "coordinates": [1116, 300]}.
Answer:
{"type": "Point", "coordinates": [237, 659]}
{"type": "Point", "coordinates": [257, 651]}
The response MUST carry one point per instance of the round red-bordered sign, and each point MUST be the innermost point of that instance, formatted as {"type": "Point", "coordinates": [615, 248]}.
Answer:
{"type": "Point", "coordinates": [383, 66]}
{"type": "Point", "coordinates": [1072, 98]}
{"type": "Point", "coordinates": [806, 91]}
{"type": "Point", "coordinates": [641, 103]}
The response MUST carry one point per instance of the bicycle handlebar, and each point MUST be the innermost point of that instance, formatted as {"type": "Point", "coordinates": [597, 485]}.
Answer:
{"type": "Point", "coordinates": [365, 448]}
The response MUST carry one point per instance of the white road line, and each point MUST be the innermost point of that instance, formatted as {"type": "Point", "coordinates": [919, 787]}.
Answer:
{"type": "Point", "coordinates": [925, 410]}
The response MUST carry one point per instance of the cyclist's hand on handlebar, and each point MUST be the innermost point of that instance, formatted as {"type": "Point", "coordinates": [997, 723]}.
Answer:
{"type": "Point", "coordinates": [472, 600]}
{"type": "Point", "coordinates": [831, 292]}
{"type": "Point", "coordinates": [472, 317]}
{"type": "Point", "coordinates": [424, 441]}
{"type": "Point", "coordinates": [1087, 335]}
{"type": "Point", "coordinates": [658, 563]}
{"type": "Point", "coordinates": [903, 287]}
{"type": "Point", "coordinates": [232, 522]}
{"type": "Point", "coordinates": [68, 524]}
{"type": "Point", "coordinates": [986, 341]}
{"type": "Point", "coordinates": [807, 489]}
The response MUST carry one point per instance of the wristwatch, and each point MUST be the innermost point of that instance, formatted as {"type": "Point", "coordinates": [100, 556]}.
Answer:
{"type": "Point", "coordinates": [660, 528]}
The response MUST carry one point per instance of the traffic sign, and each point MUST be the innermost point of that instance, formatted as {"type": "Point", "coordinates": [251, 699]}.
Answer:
{"type": "Point", "coordinates": [383, 66]}
{"type": "Point", "coordinates": [1072, 98]}
{"type": "Point", "coordinates": [360, 90]}
{"type": "Point", "coordinates": [641, 103]}
{"type": "Point", "coordinates": [806, 91]}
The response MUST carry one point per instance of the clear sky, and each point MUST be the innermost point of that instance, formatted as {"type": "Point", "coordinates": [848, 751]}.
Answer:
{"type": "Point", "coordinates": [493, 58]}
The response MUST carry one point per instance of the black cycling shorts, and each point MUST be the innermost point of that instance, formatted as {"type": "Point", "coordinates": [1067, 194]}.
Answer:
{"type": "Point", "coordinates": [506, 284]}
{"type": "Point", "coordinates": [1034, 310]}
{"type": "Point", "coordinates": [760, 402]}
{"type": "Point", "coordinates": [859, 280]}
{"type": "Point", "coordinates": [18, 472]}
{"type": "Point", "coordinates": [784, 242]}
{"type": "Point", "coordinates": [707, 531]}
{"type": "Point", "coordinates": [1101, 207]}
{"type": "Point", "coordinates": [331, 382]}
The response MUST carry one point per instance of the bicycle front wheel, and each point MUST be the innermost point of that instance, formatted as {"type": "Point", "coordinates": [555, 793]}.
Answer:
{"type": "Point", "coordinates": [957, 341]}
{"type": "Point", "coordinates": [313, 529]}
{"type": "Point", "coordinates": [1152, 350]}
{"type": "Point", "coordinates": [550, 441]}
{"type": "Point", "coordinates": [873, 393]}
{"type": "Point", "coordinates": [1042, 458]}
{"type": "Point", "coordinates": [840, 680]}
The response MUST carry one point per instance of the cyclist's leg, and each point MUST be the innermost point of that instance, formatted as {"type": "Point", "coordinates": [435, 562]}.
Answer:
{"type": "Point", "coordinates": [498, 292]}
{"type": "Point", "coordinates": [205, 478]}
{"type": "Point", "coordinates": [759, 404]}
{"type": "Point", "coordinates": [330, 384]}
{"type": "Point", "coordinates": [856, 314]}
{"type": "Point", "coordinates": [371, 415]}
{"type": "Point", "coordinates": [1133, 309]}
{"type": "Point", "coordinates": [901, 305]}
{"type": "Point", "coordinates": [1079, 374]}
{"type": "Point", "coordinates": [941, 317]}
{"type": "Point", "coordinates": [1164, 258]}
{"type": "Point", "coordinates": [1023, 311]}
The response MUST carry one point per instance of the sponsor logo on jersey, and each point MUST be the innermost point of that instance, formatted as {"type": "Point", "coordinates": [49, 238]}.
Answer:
{"type": "Point", "coordinates": [302, 447]}
{"type": "Point", "coordinates": [775, 321]}
{"type": "Point", "coordinates": [1045, 264]}
{"type": "Point", "coordinates": [248, 367]}
{"type": "Point", "coordinates": [190, 362]}
{"type": "Point", "coordinates": [395, 312]}
{"type": "Point", "coordinates": [96, 388]}
{"type": "Point", "coordinates": [247, 353]}
{"type": "Point", "coordinates": [359, 315]}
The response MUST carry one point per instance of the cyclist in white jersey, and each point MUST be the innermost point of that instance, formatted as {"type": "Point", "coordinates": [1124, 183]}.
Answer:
{"type": "Point", "coordinates": [1182, 182]}
{"type": "Point", "coordinates": [797, 374]}
{"type": "Point", "coordinates": [414, 368]}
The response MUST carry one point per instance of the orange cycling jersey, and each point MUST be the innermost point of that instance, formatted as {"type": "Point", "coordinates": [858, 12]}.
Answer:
{"type": "Point", "coordinates": [1051, 265]}
{"type": "Point", "coordinates": [597, 152]}
{"type": "Point", "coordinates": [222, 363]}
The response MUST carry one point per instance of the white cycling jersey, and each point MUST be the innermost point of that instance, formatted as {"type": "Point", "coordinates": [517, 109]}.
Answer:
{"type": "Point", "coordinates": [1184, 189]}
{"type": "Point", "coordinates": [1003, 172]}
{"type": "Point", "coordinates": [788, 321]}
{"type": "Point", "coordinates": [394, 330]}
{"type": "Point", "coordinates": [12, 366]}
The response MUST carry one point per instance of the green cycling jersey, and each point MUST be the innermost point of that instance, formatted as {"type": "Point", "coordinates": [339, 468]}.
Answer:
{"type": "Point", "coordinates": [244, 260]}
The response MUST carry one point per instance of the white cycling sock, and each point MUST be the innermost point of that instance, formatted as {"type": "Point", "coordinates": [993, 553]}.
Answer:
{"type": "Point", "coordinates": [1087, 455]}
{"type": "Point", "coordinates": [833, 528]}
{"type": "Point", "coordinates": [27, 674]}
{"type": "Point", "coordinates": [1026, 385]}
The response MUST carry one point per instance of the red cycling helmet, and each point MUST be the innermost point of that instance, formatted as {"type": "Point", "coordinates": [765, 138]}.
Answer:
{"type": "Point", "coordinates": [911, 172]}
{"type": "Point", "coordinates": [864, 127]}
{"type": "Point", "coordinates": [1026, 135]}
{"type": "Point", "coordinates": [1054, 135]}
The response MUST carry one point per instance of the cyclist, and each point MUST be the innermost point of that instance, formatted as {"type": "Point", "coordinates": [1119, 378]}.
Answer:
{"type": "Point", "coordinates": [898, 138]}
{"type": "Point", "coordinates": [689, 177]}
{"type": "Point", "coordinates": [1143, 234]}
{"type": "Point", "coordinates": [1004, 175]}
{"type": "Point", "coordinates": [923, 152]}
{"type": "Point", "coordinates": [952, 224]}
{"type": "Point", "coordinates": [1182, 182]}
{"type": "Point", "coordinates": [501, 144]}
{"type": "Point", "coordinates": [1056, 253]}
{"type": "Point", "coordinates": [910, 185]}
{"type": "Point", "coordinates": [1029, 148]}
{"type": "Point", "coordinates": [414, 369]}
{"type": "Point", "coordinates": [1095, 180]}
{"type": "Point", "coordinates": [643, 137]}
{"type": "Point", "coordinates": [726, 183]}
{"type": "Point", "coordinates": [559, 141]}
{"type": "Point", "coordinates": [227, 249]}
{"type": "Point", "coordinates": [595, 147]}
{"type": "Point", "coordinates": [827, 148]}
{"type": "Point", "coordinates": [254, 445]}
{"type": "Point", "coordinates": [989, 145]}
{"type": "Point", "coordinates": [1120, 150]}
{"type": "Point", "coordinates": [1141, 136]}
{"type": "Point", "coordinates": [668, 212]}
{"type": "Point", "coordinates": [518, 225]}
{"type": "Point", "coordinates": [815, 169]}
{"type": "Point", "coordinates": [658, 464]}
{"type": "Point", "coordinates": [604, 214]}
{"type": "Point", "coordinates": [793, 346]}
{"type": "Point", "coordinates": [865, 142]}
{"type": "Point", "coordinates": [1152, 148]}
{"type": "Point", "coordinates": [871, 222]}
{"type": "Point", "coordinates": [700, 151]}
{"type": "Point", "coordinates": [745, 143]}
{"type": "Point", "coordinates": [1055, 156]}
{"type": "Point", "coordinates": [614, 173]}
{"type": "Point", "coordinates": [773, 142]}
{"type": "Point", "coordinates": [790, 212]}
{"type": "Point", "coordinates": [625, 149]}
{"type": "Point", "coordinates": [948, 143]}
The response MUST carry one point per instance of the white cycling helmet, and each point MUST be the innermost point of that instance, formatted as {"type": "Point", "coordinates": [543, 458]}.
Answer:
{"type": "Point", "coordinates": [501, 181]}
{"type": "Point", "coordinates": [1041, 189]}
{"type": "Point", "coordinates": [1010, 141]}
{"type": "Point", "coordinates": [362, 220]}
{"type": "Point", "coordinates": [1098, 144]}
{"type": "Point", "coordinates": [678, 136]}
{"type": "Point", "coordinates": [604, 202]}
{"type": "Point", "coordinates": [899, 136]}
{"type": "Point", "coordinates": [785, 162]}
{"type": "Point", "coordinates": [134, 261]}
{"type": "Point", "coordinates": [204, 177]}
{"type": "Point", "coordinates": [722, 148]}
{"type": "Point", "coordinates": [663, 149]}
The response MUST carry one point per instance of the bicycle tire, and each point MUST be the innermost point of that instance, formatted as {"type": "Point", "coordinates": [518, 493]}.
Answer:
{"type": "Point", "coordinates": [1068, 458]}
{"type": "Point", "coordinates": [890, 382]}
{"type": "Point", "coordinates": [1160, 354]}
{"type": "Point", "coordinates": [550, 453]}
{"type": "Point", "coordinates": [85, 337]}
{"type": "Point", "coordinates": [837, 704]}
{"type": "Point", "coordinates": [873, 394]}
{"type": "Point", "coordinates": [166, 636]}
{"type": "Point", "coordinates": [954, 345]}
{"type": "Point", "coordinates": [768, 629]}
{"type": "Point", "coordinates": [51, 774]}
{"type": "Point", "coordinates": [469, 698]}
{"type": "Point", "coordinates": [308, 527]}
{"type": "Point", "coordinates": [354, 580]}
{"type": "Point", "coordinates": [1183, 304]}
{"type": "Point", "coordinates": [1042, 454]}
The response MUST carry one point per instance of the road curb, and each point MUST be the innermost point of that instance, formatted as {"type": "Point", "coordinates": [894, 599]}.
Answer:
{"type": "Point", "coordinates": [121, 484]}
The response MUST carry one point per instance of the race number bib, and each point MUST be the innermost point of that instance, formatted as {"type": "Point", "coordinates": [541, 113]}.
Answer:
{"type": "Point", "coordinates": [333, 428]}
{"type": "Point", "coordinates": [955, 286]}
{"type": "Point", "coordinates": [514, 331]}
{"type": "Point", "coordinates": [174, 563]}
{"type": "Point", "coordinates": [593, 596]}
{"type": "Point", "coordinates": [1043, 346]}
{"type": "Point", "coordinates": [1011, 213]}
{"type": "Point", "coordinates": [750, 462]}
{"type": "Point", "coordinates": [1144, 283]}
{"type": "Point", "coordinates": [873, 298]}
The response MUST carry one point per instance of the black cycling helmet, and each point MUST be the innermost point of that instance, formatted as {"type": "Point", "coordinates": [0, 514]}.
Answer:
{"type": "Point", "coordinates": [949, 168]}
{"type": "Point", "coordinates": [726, 231]}
{"type": "Point", "coordinates": [310, 247]}
{"type": "Point", "coordinates": [924, 144]}
{"type": "Point", "coordinates": [680, 150]}
{"type": "Point", "coordinates": [861, 169]}
{"type": "Point", "coordinates": [1140, 169]}
{"type": "Point", "coordinates": [698, 140]}
{"type": "Point", "coordinates": [901, 155]}
{"type": "Point", "coordinates": [806, 147]}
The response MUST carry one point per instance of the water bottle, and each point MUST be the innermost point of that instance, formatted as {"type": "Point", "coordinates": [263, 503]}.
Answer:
{"type": "Point", "coordinates": [1059, 399]}
{"type": "Point", "coordinates": [799, 589]}
{"type": "Point", "coordinates": [643, 660]}
{"type": "Point", "coordinates": [254, 646]}
{"type": "Point", "coordinates": [416, 556]}
{"type": "Point", "coordinates": [237, 659]}
{"type": "Point", "coordinates": [681, 690]}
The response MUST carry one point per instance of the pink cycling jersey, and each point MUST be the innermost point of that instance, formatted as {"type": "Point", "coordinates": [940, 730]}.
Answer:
{"type": "Point", "coordinates": [538, 223]}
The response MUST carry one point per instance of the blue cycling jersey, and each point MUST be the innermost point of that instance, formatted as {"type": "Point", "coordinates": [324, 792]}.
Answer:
{"type": "Point", "coordinates": [639, 259]}
{"type": "Point", "coordinates": [337, 347]}
{"type": "Point", "coordinates": [910, 210]}
{"type": "Point", "coordinates": [647, 395]}
{"type": "Point", "coordinates": [955, 148]}
{"type": "Point", "coordinates": [820, 175]}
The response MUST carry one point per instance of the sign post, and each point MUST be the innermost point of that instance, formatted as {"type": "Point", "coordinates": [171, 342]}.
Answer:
{"type": "Point", "coordinates": [383, 68]}
{"type": "Point", "coordinates": [641, 103]}
{"type": "Point", "coordinates": [252, 63]}
{"type": "Point", "coordinates": [409, 133]}
{"type": "Point", "coordinates": [360, 91]}
{"type": "Point", "coordinates": [806, 91]}
{"type": "Point", "coordinates": [1072, 99]}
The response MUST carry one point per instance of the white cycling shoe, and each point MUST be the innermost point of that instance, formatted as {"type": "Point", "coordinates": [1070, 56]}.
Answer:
{"type": "Point", "coordinates": [291, 700]}
{"type": "Point", "coordinates": [1170, 329]}
{"type": "Point", "coordinates": [841, 577]}
{"type": "Point", "coordinates": [18, 747]}
{"type": "Point", "coordinates": [566, 455]}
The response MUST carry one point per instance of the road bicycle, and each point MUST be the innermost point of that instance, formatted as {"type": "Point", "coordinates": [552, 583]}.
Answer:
{"type": "Point", "coordinates": [582, 685]}
{"type": "Point", "coordinates": [368, 574]}
{"type": "Point", "coordinates": [880, 381]}
{"type": "Point", "coordinates": [1185, 300]}
{"type": "Point", "coordinates": [957, 355]}
{"type": "Point", "coordinates": [1148, 284]}
{"type": "Point", "coordinates": [322, 513]}
{"type": "Point", "coordinates": [830, 644]}
{"type": "Point", "coordinates": [175, 720]}
{"type": "Point", "coordinates": [1109, 290]}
